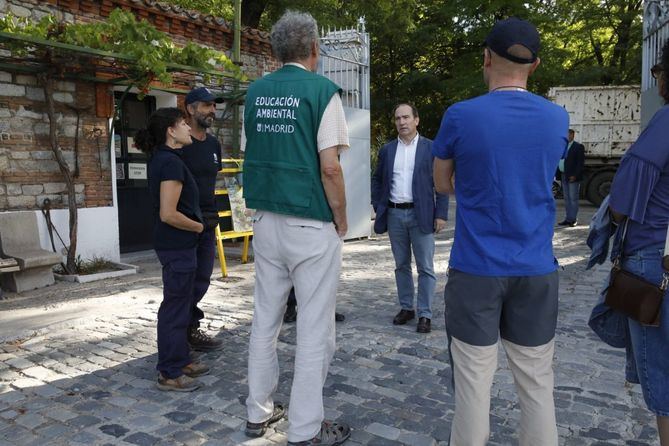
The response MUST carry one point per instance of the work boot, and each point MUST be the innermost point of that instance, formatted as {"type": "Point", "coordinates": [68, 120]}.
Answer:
{"type": "Point", "coordinates": [195, 369]}
{"type": "Point", "coordinates": [182, 383]}
{"type": "Point", "coordinates": [202, 342]}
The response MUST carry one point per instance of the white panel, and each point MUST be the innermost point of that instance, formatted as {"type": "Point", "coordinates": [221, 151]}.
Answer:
{"type": "Point", "coordinates": [356, 165]}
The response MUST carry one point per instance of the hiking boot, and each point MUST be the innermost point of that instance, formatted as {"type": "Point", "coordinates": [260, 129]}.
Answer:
{"type": "Point", "coordinates": [258, 429]}
{"type": "Point", "coordinates": [195, 369]}
{"type": "Point", "coordinates": [202, 342]}
{"type": "Point", "coordinates": [331, 434]}
{"type": "Point", "coordinates": [181, 384]}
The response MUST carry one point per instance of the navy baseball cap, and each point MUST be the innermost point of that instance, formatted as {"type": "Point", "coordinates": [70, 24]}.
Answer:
{"type": "Point", "coordinates": [202, 94]}
{"type": "Point", "coordinates": [510, 32]}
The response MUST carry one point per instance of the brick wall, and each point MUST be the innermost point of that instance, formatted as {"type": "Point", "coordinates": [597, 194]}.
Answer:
{"type": "Point", "coordinates": [28, 170]}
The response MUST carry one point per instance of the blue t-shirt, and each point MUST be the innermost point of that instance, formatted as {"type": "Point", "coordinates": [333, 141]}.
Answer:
{"type": "Point", "coordinates": [640, 188]}
{"type": "Point", "coordinates": [166, 164]}
{"type": "Point", "coordinates": [203, 159]}
{"type": "Point", "coordinates": [506, 146]}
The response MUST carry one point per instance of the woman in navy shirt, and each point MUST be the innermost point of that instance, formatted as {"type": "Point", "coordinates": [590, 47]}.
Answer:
{"type": "Point", "coordinates": [178, 224]}
{"type": "Point", "coordinates": [640, 192]}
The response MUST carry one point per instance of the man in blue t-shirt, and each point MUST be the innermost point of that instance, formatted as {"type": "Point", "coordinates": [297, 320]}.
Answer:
{"type": "Point", "coordinates": [203, 158]}
{"type": "Point", "coordinates": [503, 280]}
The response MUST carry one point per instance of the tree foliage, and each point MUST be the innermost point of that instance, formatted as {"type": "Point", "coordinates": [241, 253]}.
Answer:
{"type": "Point", "coordinates": [430, 51]}
{"type": "Point", "coordinates": [149, 51]}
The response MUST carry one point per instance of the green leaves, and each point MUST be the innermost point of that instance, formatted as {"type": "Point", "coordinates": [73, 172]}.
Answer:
{"type": "Point", "coordinates": [148, 54]}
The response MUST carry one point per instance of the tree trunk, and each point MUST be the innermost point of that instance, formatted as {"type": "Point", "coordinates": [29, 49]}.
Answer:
{"type": "Point", "coordinates": [252, 12]}
{"type": "Point", "coordinates": [47, 84]}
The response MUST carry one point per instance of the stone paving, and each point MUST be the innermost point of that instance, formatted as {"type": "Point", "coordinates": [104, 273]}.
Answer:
{"type": "Point", "coordinates": [89, 379]}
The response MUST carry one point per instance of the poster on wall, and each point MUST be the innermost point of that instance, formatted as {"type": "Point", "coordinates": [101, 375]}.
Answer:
{"type": "Point", "coordinates": [136, 171]}
{"type": "Point", "coordinates": [132, 148]}
{"type": "Point", "coordinates": [117, 146]}
{"type": "Point", "coordinates": [120, 172]}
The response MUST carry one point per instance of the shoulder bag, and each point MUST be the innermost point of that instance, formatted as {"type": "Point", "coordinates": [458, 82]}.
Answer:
{"type": "Point", "coordinates": [634, 296]}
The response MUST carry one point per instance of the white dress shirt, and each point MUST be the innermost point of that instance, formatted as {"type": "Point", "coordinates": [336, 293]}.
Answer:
{"type": "Point", "coordinates": [405, 159]}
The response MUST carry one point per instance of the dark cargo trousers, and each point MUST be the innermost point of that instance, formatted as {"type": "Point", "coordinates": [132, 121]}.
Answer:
{"type": "Point", "coordinates": [174, 315]}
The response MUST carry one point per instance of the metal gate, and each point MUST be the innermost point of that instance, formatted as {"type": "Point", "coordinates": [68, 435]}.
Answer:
{"type": "Point", "coordinates": [345, 60]}
{"type": "Point", "coordinates": [655, 34]}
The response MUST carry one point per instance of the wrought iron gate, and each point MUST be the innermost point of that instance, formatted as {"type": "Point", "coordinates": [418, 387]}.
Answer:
{"type": "Point", "coordinates": [345, 60]}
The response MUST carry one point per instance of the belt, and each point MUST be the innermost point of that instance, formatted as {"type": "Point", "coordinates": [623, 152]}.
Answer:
{"type": "Point", "coordinates": [400, 205]}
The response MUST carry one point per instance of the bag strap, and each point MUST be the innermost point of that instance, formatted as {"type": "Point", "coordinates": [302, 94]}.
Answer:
{"type": "Point", "coordinates": [619, 258]}
{"type": "Point", "coordinates": [665, 259]}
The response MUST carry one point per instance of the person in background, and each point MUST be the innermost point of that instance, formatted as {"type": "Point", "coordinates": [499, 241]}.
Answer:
{"type": "Point", "coordinates": [291, 310]}
{"type": "Point", "coordinates": [571, 167]}
{"type": "Point", "coordinates": [179, 224]}
{"type": "Point", "coordinates": [640, 194]}
{"type": "Point", "coordinates": [407, 206]}
{"type": "Point", "coordinates": [203, 159]}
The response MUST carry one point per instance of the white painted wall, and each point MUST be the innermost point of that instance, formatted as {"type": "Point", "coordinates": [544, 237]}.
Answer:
{"type": "Point", "coordinates": [97, 232]}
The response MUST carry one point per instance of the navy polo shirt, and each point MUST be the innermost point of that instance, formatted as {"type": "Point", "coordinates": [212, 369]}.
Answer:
{"type": "Point", "coordinates": [203, 159]}
{"type": "Point", "coordinates": [167, 164]}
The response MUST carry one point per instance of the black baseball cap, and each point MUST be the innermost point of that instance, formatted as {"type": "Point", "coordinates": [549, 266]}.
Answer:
{"type": "Point", "coordinates": [202, 94]}
{"type": "Point", "coordinates": [514, 31]}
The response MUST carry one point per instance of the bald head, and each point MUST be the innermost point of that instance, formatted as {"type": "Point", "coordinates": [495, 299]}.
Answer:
{"type": "Point", "coordinates": [504, 65]}
{"type": "Point", "coordinates": [502, 72]}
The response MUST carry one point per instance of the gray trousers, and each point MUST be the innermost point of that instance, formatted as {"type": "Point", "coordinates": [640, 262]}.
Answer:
{"type": "Point", "coordinates": [306, 254]}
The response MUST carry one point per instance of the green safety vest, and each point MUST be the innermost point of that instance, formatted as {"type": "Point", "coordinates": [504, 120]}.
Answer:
{"type": "Point", "coordinates": [281, 165]}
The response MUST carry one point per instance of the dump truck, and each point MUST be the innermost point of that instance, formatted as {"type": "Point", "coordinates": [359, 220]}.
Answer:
{"type": "Point", "coordinates": [606, 121]}
{"type": "Point", "coordinates": [655, 34]}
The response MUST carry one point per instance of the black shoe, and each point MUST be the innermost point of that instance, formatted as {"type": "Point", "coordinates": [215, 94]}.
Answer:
{"type": "Point", "coordinates": [258, 429]}
{"type": "Point", "coordinates": [202, 342]}
{"type": "Point", "coordinates": [403, 317]}
{"type": "Point", "coordinates": [290, 315]}
{"type": "Point", "coordinates": [572, 224]}
{"type": "Point", "coordinates": [564, 223]}
{"type": "Point", "coordinates": [339, 317]}
{"type": "Point", "coordinates": [424, 325]}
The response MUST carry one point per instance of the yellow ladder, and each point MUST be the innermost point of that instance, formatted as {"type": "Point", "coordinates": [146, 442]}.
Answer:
{"type": "Point", "coordinates": [227, 235]}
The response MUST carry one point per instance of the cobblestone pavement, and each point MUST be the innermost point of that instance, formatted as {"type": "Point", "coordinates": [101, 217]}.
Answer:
{"type": "Point", "coordinates": [88, 377]}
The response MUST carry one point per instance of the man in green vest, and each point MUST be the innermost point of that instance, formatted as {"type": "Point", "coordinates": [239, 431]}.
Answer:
{"type": "Point", "coordinates": [295, 128]}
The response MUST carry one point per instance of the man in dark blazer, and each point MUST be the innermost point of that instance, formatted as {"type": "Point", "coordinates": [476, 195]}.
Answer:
{"type": "Point", "coordinates": [407, 207]}
{"type": "Point", "coordinates": [571, 166]}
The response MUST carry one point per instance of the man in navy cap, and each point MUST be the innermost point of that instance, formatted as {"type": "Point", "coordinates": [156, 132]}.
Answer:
{"type": "Point", "coordinates": [203, 158]}
{"type": "Point", "coordinates": [503, 280]}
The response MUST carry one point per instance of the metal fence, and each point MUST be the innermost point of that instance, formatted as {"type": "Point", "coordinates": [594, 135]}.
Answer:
{"type": "Point", "coordinates": [655, 34]}
{"type": "Point", "coordinates": [345, 61]}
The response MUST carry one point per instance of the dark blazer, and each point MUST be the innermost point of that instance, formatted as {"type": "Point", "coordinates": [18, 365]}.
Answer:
{"type": "Point", "coordinates": [428, 204]}
{"type": "Point", "coordinates": [575, 161]}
